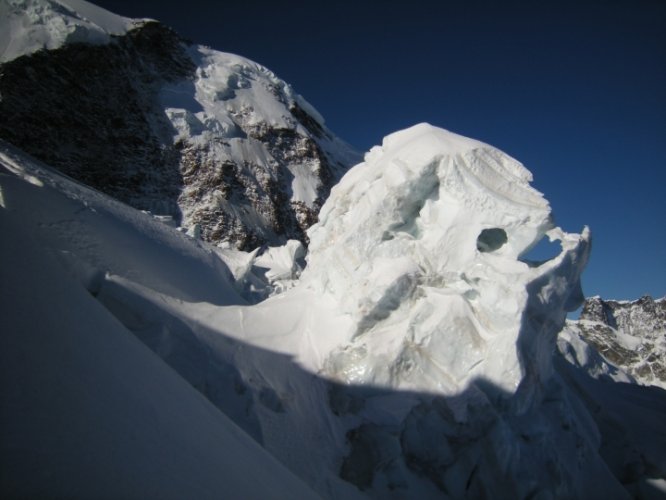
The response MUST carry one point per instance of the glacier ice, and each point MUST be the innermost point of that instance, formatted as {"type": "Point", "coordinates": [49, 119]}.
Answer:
{"type": "Point", "coordinates": [420, 246]}
{"type": "Point", "coordinates": [413, 356]}
{"type": "Point", "coordinates": [434, 339]}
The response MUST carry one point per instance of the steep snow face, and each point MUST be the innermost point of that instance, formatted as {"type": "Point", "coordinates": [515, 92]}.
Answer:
{"type": "Point", "coordinates": [420, 245]}
{"type": "Point", "coordinates": [27, 26]}
{"type": "Point", "coordinates": [629, 335]}
{"type": "Point", "coordinates": [213, 140]}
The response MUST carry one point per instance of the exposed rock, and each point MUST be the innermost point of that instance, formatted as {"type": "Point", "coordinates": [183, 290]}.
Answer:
{"type": "Point", "coordinates": [629, 335]}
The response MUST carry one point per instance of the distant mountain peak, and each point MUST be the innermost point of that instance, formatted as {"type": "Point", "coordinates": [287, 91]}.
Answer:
{"type": "Point", "coordinates": [630, 335]}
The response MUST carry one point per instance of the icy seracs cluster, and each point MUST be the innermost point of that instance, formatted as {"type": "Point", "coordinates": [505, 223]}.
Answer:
{"type": "Point", "coordinates": [421, 245]}
{"type": "Point", "coordinates": [404, 363]}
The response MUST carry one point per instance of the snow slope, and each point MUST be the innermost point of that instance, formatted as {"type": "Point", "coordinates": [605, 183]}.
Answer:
{"type": "Point", "coordinates": [235, 112]}
{"type": "Point", "coordinates": [87, 410]}
{"type": "Point", "coordinates": [86, 229]}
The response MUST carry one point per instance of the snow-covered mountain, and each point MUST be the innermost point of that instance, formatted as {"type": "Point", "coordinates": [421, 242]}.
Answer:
{"type": "Point", "coordinates": [213, 140]}
{"type": "Point", "coordinates": [409, 352]}
{"type": "Point", "coordinates": [629, 335]}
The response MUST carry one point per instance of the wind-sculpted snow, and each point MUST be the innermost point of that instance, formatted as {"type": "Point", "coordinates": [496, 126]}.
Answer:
{"type": "Point", "coordinates": [421, 246]}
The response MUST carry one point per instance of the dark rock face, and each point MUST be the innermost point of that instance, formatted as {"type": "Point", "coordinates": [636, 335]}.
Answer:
{"type": "Point", "coordinates": [94, 113]}
{"type": "Point", "coordinates": [604, 323]}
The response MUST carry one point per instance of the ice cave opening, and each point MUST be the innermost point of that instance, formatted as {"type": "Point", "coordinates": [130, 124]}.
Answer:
{"type": "Point", "coordinates": [491, 239]}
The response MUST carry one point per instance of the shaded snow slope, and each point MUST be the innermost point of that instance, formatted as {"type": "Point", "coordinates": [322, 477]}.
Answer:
{"type": "Point", "coordinates": [216, 142]}
{"type": "Point", "coordinates": [87, 411]}
{"type": "Point", "coordinates": [27, 26]}
{"type": "Point", "coordinates": [94, 236]}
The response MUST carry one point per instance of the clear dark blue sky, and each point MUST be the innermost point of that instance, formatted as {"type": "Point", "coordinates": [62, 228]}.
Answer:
{"type": "Point", "coordinates": [576, 90]}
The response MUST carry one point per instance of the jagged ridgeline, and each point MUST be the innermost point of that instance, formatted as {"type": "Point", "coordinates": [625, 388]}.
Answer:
{"type": "Point", "coordinates": [631, 335]}
{"type": "Point", "coordinates": [213, 140]}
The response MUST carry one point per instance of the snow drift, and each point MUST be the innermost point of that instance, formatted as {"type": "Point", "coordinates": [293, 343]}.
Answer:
{"type": "Point", "coordinates": [425, 238]}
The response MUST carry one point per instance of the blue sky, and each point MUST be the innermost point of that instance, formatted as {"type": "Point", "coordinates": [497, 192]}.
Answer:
{"type": "Point", "coordinates": [574, 90]}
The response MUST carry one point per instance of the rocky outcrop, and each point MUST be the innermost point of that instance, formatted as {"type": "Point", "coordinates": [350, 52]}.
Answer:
{"type": "Point", "coordinates": [631, 335]}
